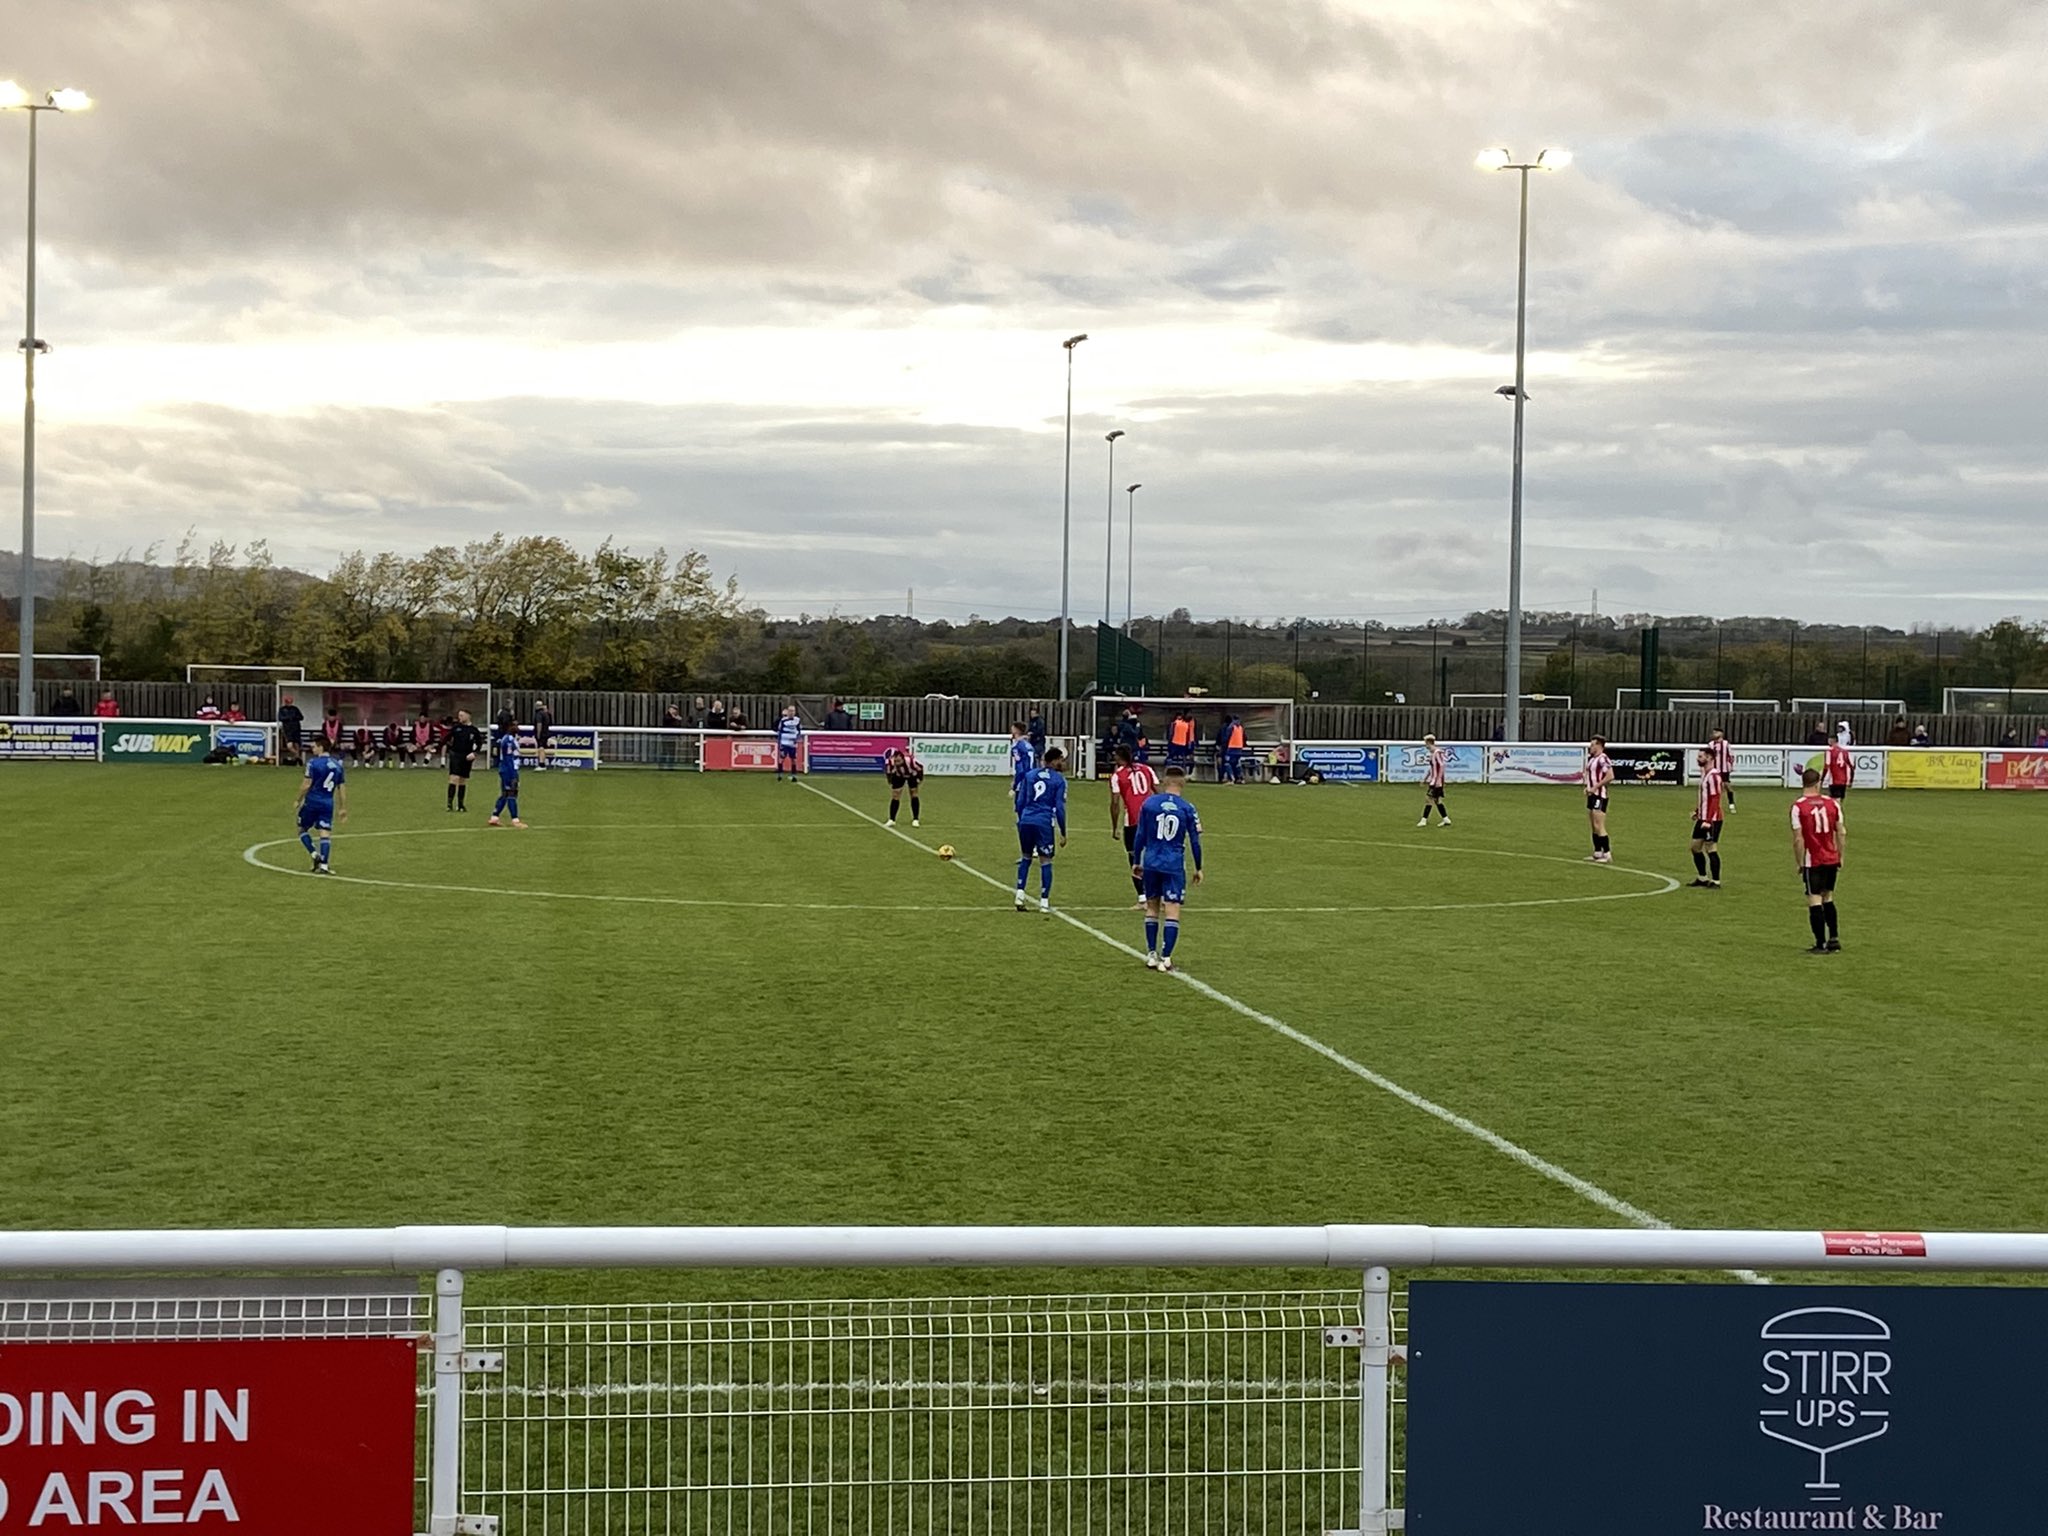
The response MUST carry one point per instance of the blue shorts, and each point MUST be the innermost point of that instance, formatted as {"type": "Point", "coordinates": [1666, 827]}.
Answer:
{"type": "Point", "coordinates": [785, 755]}
{"type": "Point", "coordinates": [1165, 885]}
{"type": "Point", "coordinates": [1233, 759]}
{"type": "Point", "coordinates": [315, 813]}
{"type": "Point", "coordinates": [508, 783]}
{"type": "Point", "coordinates": [1034, 841]}
{"type": "Point", "coordinates": [1180, 755]}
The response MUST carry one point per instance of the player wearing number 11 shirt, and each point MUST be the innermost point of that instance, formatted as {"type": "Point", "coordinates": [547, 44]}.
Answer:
{"type": "Point", "coordinates": [1166, 822]}
{"type": "Point", "coordinates": [1817, 848]}
{"type": "Point", "coordinates": [1706, 824]}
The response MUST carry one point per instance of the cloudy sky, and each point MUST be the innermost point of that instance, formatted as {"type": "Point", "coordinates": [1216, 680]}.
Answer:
{"type": "Point", "coordinates": [785, 280]}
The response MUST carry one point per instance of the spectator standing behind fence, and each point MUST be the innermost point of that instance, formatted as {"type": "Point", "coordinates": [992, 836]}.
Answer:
{"type": "Point", "coordinates": [1900, 735]}
{"type": "Point", "coordinates": [543, 730]}
{"type": "Point", "coordinates": [106, 709]}
{"type": "Point", "coordinates": [67, 705]}
{"type": "Point", "coordinates": [837, 719]}
{"type": "Point", "coordinates": [234, 716]}
{"type": "Point", "coordinates": [715, 718]}
{"type": "Point", "coordinates": [209, 710]}
{"type": "Point", "coordinates": [672, 719]}
{"type": "Point", "coordinates": [2041, 737]}
{"type": "Point", "coordinates": [291, 726]}
{"type": "Point", "coordinates": [695, 721]}
{"type": "Point", "coordinates": [1921, 738]}
{"type": "Point", "coordinates": [1818, 736]}
{"type": "Point", "coordinates": [1035, 729]}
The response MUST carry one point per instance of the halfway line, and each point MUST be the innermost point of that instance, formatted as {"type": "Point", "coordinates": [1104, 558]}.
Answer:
{"type": "Point", "coordinates": [1585, 1188]}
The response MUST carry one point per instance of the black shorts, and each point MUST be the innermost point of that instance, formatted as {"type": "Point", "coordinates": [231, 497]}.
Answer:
{"type": "Point", "coordinates": [540, 736]}
{"type": "Point", "coordinates": [458, 767]}
{"type": "Point", "coordinates": [1820, 878]}
{"type": "Point", "coordinates": [909, 781]}
{"type": "Point", "coordinates": [1838, 791]}
{"type": "Point", "coordinates": [1596, 802]}
{"type": "Point", "coordinates": [1432, 791]}
{"type": "Point", "coordinates": [1706, 831]}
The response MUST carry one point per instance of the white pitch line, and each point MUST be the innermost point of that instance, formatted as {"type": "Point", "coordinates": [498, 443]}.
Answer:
{"type": "Point", "coordinates": [1586, 1189]}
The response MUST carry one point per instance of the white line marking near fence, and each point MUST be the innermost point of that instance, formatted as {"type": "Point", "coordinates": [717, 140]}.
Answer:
{"type": "Point", "coordinates": [1026, 1390]}
{"type": "Point", "coordinates": [1613, 1204]}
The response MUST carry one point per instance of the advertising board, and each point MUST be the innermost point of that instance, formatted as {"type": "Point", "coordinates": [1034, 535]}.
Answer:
{"type": "Point", "coordinates": [2016, 770]}
{"type": "Point", "coordinates": [1867, 766]}
{"type": "Point", "coordinates": [1925, 768]}
{"type": "Point", "coordinates": [1525, 764]}
{"type": "Point", "coordinates": [739, 754]}
{"type": "Point", "coordinates": [1405, 761]}
{"type": "Point", "coordinates": [1648, 764]}
{"type": "Point", "coordinates": [312, 1436]}
{"type": "Point", "coordinates": [157, 741]}
{"type": "Point", "coordinates": [946, 757]}
{"type": "Point", "coordinates": [251, 743]}
{"type": "Point", "coordinates": [569, 746]}
{"type": "Point", "coordinates": [1694, 1408]}
{"type": "Point", "coordinates": [848, 751]}
{"type": "Point", "coordinates": [1341, 762]}
{"type": "Point", "coordinates": [1756, 765]}
{"type": "Point", "coordinates": [76, 741]}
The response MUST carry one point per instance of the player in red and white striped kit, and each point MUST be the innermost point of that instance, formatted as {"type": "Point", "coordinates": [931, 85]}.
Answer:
{"type": "Point", "coordinates": [1129, 786]}
{"type": "Point", "coordinates": [1706, 823]}
{"type": "Point", "coordinates": [904, 770]}
{"type": "Point", "coordinates": [1724, 759]}
{"type": "Point", "coordinates": [1598, 776]}
{"type": "Point", "coordinates": [1433, 771]}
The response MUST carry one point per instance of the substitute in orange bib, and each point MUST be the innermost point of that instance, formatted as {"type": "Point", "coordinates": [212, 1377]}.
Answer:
{"type": "Point", "coordinates": [1180, 740]}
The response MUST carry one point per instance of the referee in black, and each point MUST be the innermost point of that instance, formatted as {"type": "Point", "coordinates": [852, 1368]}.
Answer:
{"type": "Point", "coordinates": [464, 742]}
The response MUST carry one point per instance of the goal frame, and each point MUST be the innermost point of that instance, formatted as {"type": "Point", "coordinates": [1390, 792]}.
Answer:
{"type": "Point", "coordinates": [1499, 700]}
{"type": "Point", "coordinates": [43, 656]}
{"type": "Point", "coordinates": [1995, 701]}
{"type": "Point", "coordinates": [1825, 706]}
{"type": "Point", "coordinates": [298, 674]}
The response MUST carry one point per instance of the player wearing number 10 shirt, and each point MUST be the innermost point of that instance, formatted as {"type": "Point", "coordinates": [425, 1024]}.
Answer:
{"type": "Point", "coordinates": [1166, 822]}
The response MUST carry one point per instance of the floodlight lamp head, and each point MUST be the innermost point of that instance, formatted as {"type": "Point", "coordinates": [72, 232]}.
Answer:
{"type": "Point", "coordinates": [70, 99]}
{"type": "Point", "coordinates": [1553, 159]}
{"type": "Point", "coordinates": [12, 95]}
{"type": "Point", "coordinates": [1074, 341]}
{"type": "Point", "coordinates": [1114, 435]}
{"type": "Point", "coordinates": [1135, 488]}
{"type": "Point", "coordinates": [1493, 159]}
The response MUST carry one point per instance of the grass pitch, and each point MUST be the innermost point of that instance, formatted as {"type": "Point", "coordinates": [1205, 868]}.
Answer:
{"type": "Point", "coordinates": [716, 999]}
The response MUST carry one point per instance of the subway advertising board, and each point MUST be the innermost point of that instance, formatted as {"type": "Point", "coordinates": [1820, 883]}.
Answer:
{"type": "Point", "coordinates": [158, 741]}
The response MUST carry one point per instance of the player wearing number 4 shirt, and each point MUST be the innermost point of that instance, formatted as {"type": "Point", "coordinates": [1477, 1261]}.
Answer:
{"type": "Point", "coordinates": [1706, 824]}
{"type": "Point", "coordinates": [1130, 786]}
{"type": "Point", "coordinates": [1598, 777]}
{"type": "Point", "coordinates": [1724, 759]}
{"type": "Point", "coordinates": [1817, 849]}
{"type": "Point", "coordinates": [321, 791]}
{"type": "Point", "coordinates": [1165, 822]}
{"type": "Point", "coordinates": [1433, 770]}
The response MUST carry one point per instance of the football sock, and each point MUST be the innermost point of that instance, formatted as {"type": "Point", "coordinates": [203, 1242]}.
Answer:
{"type": "Point", "coordinates": [1699, 862]}
{"type": "Point", "coordinates": [1045, 878]}
{"type": "Point", "coordinates": [892, 813]}
{"type": "Point", "coordinates": [1138, 885]}
{"type": "Point", "coordinates": [1606, 843]}
{"type": "Point", "coordinates": [307, 839]}
{"type": "Point", "coordinates": [512, 805]}
{"type": "Point", "coordinates": [326, 847]}
{"type": "Point", "coordinates": [1151, 935]}
{"type": "Point", "coordinates": [1596, 842]}
{"type": "Point", "coordinates": [1170, 936]}
{"type": "Point", "coordinates": [1023, 872]}
{"type": "Point", "coordinates": [1817, 921]}
{"type": "Point", "coordinates": [461, 796]}
{"type": "Point", "coordinates": [1834, 927]}
{"type": "Point", "coordinates": [451, 794]}
{"type": "Point", "coordinates": [1443, 808]}
{"type": "Point", "coordinates": [915, 813]}
{"type": "Point", "coordinates": [1714, 865]}
{"type": "Point", "coordinates": [499, 808]}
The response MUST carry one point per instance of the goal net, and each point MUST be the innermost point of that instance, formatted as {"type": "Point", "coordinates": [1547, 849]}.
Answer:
{"type": "Point", "coordinates": [1499, 701]}
{"type": "Point", "coordinates": [821, 752]}
{"type": "Point", "coordinates": [1824, 706]}
{"type": "Point", "coordinates": [1994, 701]}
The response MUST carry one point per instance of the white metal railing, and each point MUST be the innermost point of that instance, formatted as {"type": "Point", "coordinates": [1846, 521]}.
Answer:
{"type": "Point", "coordinates": [1234, 1412]}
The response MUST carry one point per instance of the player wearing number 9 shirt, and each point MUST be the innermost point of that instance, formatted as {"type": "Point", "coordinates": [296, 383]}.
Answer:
{"type": "Point", "coordinates": [1166, 821]}
{"type": "Point", "coordinates": [1041, 806]}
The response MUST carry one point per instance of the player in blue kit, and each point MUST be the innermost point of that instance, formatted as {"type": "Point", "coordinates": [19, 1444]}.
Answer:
{"type": "Point", "coordinates": [1023, 756]}
{"type": "Point", "coordinates": [321, 793]}
{"type": "Point", "coordinates": [1041, 806]}
{"type": "Point", "coordinates": [508, 780]}
{"type": "Point", "coordinates": [1166, 821]}
{"type": "Point", "coordinates": [789, 740]}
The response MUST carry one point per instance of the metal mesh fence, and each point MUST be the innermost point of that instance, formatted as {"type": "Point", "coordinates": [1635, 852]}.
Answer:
{"type": "Point", "coordinates": [1178, 1413]}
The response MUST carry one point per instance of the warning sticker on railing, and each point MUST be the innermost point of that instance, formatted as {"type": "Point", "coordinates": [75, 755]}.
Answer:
{"type": "Point", "coordinates": [1875, 1245]}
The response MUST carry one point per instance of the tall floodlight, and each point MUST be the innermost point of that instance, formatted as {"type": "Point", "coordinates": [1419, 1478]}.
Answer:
{"type": "Point", "coordinates": [1067, 518]}
{"type": "Point", "coordinates": [14, 99]}
{"type": "Point", "coordinates": [1130, 547]}
{"type": "Point", "coordinates": [1109, 532]}
{"type": "Point", "coordinates": [1503, 160]}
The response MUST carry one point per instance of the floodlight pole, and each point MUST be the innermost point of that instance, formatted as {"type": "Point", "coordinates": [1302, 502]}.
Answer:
{"type": "Point", "coordinates": [1513, 730]}
{"type": "Point", "coordinates": [1130, 549]}
{"type": "Point", "coordinates": [26, 704]}
{"type": "Point", "coordinates": [1067, 519]}
{"type": "Point", "coordinates": [1109, 530]}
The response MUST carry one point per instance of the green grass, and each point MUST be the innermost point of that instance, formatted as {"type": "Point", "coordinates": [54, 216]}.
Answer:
{"type": "Point", "coordinates": [868, 1035]}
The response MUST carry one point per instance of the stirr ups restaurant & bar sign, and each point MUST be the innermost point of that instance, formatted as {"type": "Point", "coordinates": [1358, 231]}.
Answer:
{"type": "Point", "coordinates": [1558, 1409]}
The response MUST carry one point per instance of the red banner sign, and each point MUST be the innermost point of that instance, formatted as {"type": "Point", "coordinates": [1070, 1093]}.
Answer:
{"type": "Point", "coordinates": [744, 754]}
{"type": "Point", "coordinates": [1875, 1245]}
{"type": "Point", "coordinates": [311, 1436]}
{"type": "Point", "coordinates": [2016, 770]}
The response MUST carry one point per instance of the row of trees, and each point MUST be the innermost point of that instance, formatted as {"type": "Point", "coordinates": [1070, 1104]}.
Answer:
{"type": "Point", "coordinates": [535, 612]}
